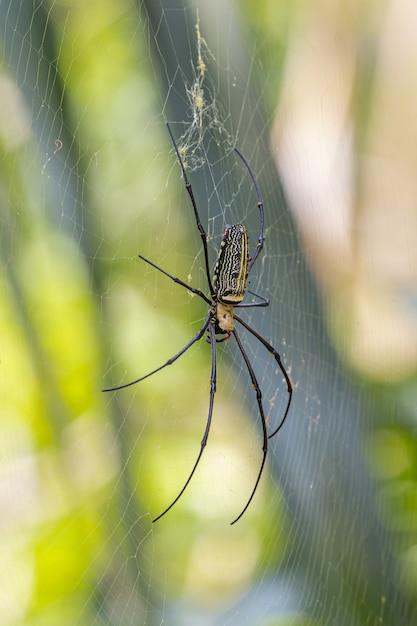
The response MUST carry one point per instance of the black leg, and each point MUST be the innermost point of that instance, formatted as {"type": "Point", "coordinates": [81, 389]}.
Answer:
{"type": "Point", "coordinates": [261, 213]}
{"type": "Point", "coordinates": [197, 292]}
{"type": "Point", "coordinates": [248, 305]}
{"type": "Point", "coordinates": [261, 412]}
{"type": "Point", "coordinates": [197, 217]}
{"type": "Point", "coordinates": [171, 360]}
{"type": "Point", "coordinates": [277, 358]}
{"type": "Point", "coordinates": [210, 414]}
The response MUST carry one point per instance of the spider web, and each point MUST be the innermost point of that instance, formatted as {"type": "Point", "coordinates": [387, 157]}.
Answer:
{"type": "Point", "coordinates": [89, 179]}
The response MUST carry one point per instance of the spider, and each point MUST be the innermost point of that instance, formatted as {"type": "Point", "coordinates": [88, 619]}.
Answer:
{"type": "Point", "coordinates": [227, 290]}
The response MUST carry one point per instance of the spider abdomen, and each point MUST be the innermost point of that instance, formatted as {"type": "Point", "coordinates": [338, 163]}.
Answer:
{"type": "Point", "coordinates": [231, 270]}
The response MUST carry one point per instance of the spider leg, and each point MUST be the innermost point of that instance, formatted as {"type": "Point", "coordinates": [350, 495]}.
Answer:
{"type": "Point", "coordinates": [261, 238]}
{"type": "Point", "coordinates": [210, 414]}
{"type": "Point", "coordinates": [197, 292]}
{"type": "Point", "coordinates": [261, 411]}
{"type": "Point", "coordinates": [196, 214]}
{"type": "Point", "coordinates": [253, 293]}
{"type": "Point", "coordinates": [261, 302]}
{"type": "Point", "coordinates": [277, 358]}
{"type": "Point", "coordinates": [171, 360]}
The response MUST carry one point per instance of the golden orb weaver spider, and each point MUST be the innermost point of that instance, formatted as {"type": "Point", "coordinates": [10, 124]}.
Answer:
{"type": "Point", "coordinates": [226, 294]}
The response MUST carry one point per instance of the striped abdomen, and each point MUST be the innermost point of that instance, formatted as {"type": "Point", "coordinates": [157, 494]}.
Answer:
{"type": "Point", "coordinates": [231, 271]}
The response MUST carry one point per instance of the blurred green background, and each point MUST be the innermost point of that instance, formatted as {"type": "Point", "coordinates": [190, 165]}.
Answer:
{"type": "Point", "coordinates": [321, 99]}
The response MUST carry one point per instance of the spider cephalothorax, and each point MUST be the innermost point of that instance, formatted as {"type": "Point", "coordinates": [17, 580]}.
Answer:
{"type": "Point", "coordinates": [227, 291]}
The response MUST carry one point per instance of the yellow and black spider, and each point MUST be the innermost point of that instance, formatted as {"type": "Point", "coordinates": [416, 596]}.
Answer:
{"type": "Point", "coordinates": [226, 294]}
